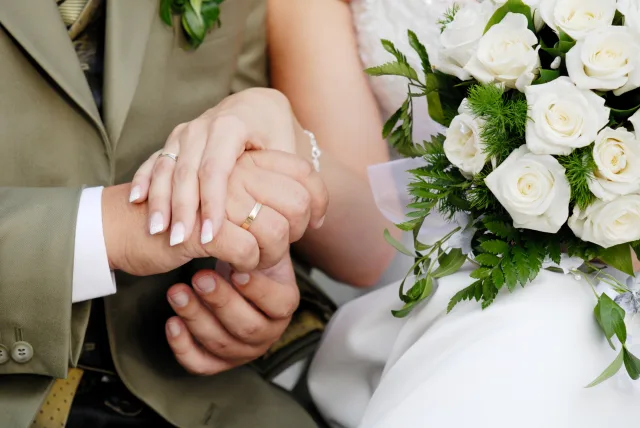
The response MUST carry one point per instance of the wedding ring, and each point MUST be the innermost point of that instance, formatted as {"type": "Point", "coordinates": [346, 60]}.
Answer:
{"type": "Point", "coordinates": [172, 156]}
{"type": "Point", "coordinates": [252, 216]}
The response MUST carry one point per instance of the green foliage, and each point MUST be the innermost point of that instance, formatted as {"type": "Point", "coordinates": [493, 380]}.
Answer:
{"type": "Point", "coordinates": [436, 185]}
{"type": "Point", "coordinates": [505, 116]}
{"type": "Point", "coordinates": [618, 19]}
{"type": "Point", "coordinates": [480, 197]}
{"type": "Point", "coordinates": [632, 363]}
{"type": "Point", "coordinates": [414, 42]}
{"type": "Point", "coordinates": [398, 129]}
{"type": "Point", "coordinates": [610, 317]}
{"type": "Point", "coordinates": [580, 167]}
{"type": "Point", "coordinates": [396, 244]}
{"type": "Point", "coordinates": [561, 47]}
{"type": "Point", "coordinates": [623, 106]}
{"type": "Point", "coordinates": [441, 91]}
{"type": "Point", "coordinates": [427, 270]}
{"type": "Point", "coordinates": [505, 256]}
{"type": "Point", "coordinates": [448, 17]}
{"type": "Point", "coordinates": [474, 291]}
{"type": "Point", "coordinates": [609, 371]}
{"type": "Point", "coordinates": [618, 257]}
{"type": "Point", "coordinates": [546, 76]}
{"type": "Point", "coordinates": [393, 69]}
{"type": "Point", "coordinates": [197, 17]}
{"type": "Point", "coordinates": [513, 6]}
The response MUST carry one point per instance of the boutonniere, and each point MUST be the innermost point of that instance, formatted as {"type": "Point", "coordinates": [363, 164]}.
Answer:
{"type": "Point", "coordinates": [197, 17]}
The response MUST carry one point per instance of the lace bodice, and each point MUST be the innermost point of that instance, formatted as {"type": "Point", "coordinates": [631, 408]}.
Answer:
{"type": "Point", "coordinates": [390, 19]}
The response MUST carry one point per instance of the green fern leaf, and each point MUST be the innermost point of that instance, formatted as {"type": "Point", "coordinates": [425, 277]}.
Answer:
{"type": "Point", "coordinates": [487, 259]}
{"type": "Point", "coordinates": [466, 294]}
{"type": "Point", "coordinates": [510, 273]}
{"type": "Point", "coordinates": [498, 277]}
{"type": "Point", "coordinates": [522, 264]}
{"type": "Point", "coordinates": [393, 69]}
{"type": "Point", "coordinates": [495, 246]}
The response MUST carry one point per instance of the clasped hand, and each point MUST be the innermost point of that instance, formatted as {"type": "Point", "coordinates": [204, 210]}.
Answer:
{"type": "Point", "coordinates": [235, 155]}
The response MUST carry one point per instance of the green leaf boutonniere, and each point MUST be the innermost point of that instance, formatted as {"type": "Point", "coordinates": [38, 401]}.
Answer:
{"type": "Point", "coordinates": [197, 17]}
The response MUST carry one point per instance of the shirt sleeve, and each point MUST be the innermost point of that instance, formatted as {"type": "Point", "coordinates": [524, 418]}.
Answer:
{"type": "Point", "coordinates": [92, 277]}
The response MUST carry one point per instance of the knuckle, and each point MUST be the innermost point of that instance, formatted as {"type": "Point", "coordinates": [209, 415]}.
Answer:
{"type": "Point", "coordinates": [249, 331]}
{"type": "Point", "coordinates": [207, 169]}
{"type": "Point", "coordinates": [280, 230]}
{"type": "Point", "coordinates": [192, 130]}
{"type": "Point", "coordinates": [182, 173]}
{"type": "Point", "coordinates": [285, 309]}
{"type": "Point", "coordinates": [219, 347]}
{"type": "Point", "coordinates": [245, 250]}
{"type": "Point", "coordinates": [301, 202]}
{"type": "Point", "coordinates": [178, 129]}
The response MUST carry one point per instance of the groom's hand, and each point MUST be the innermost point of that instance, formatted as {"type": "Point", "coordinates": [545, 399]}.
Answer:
{"type": "Point", "coordinates": [290, 191]}
{"type": "Point", "coordinates": [221, 325]}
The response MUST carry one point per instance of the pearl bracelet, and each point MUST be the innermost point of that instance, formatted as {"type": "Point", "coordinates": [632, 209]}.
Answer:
{"type": "Point", "coordinates": [315, 150]}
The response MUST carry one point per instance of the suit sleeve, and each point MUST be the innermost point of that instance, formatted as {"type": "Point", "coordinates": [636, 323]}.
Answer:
{"type": "Point", "coordinates": [37, 237]}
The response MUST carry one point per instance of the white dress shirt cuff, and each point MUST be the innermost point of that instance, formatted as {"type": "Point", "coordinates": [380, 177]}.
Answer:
{"type": "Point", "coordinates": [92, 277]}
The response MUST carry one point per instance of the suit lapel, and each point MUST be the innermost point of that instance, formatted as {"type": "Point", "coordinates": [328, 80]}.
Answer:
{"type": "Point", "coordinates": [37, 26]}
{"type": "Point", "coordinates": [128, 26]}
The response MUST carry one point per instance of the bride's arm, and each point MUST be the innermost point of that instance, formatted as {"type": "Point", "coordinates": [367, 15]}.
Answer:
{"type": "Point", "coordinates": [315, 63]}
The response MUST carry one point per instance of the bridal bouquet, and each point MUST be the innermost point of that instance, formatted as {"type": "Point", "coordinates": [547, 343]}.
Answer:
{"type": "Point", "coordinates": [541, 157]}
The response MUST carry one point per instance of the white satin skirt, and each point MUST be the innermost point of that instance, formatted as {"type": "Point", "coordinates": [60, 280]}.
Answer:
{"type": "Point", "coordinates": [523, 362]}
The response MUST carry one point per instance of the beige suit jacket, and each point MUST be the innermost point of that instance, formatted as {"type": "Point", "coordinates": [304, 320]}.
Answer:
{"type": "Point", "coordinates": [53, 142]}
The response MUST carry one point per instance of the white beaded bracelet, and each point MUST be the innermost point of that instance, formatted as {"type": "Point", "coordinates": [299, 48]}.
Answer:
{"type": "Point", "coordinates": [315, 150]}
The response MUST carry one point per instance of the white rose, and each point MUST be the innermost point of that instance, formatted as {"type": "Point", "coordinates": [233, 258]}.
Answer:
{"type": "Point", "coordinates": [608, 223]}
{"type": "Point", "coordinates": [563, 117]}
{"type": "Point", "coordinates": [577, 18]}
{"type": "Point", "coordinates": [505, 54]}
{"type": "Point", "coordinates": [631, 11]}
{"type": "Point", "coordinates": [535, 11]}
{"type": "Point", "coordinates": [460, 37]}
{"type": "Point", "coordinates": [533, 189]}
{"type": "Point", "coordinates": [616, 152]}
{"type": "Point", "coordinates": [607, 59]}
{"type": "Point", "coordinates": [463, 146]}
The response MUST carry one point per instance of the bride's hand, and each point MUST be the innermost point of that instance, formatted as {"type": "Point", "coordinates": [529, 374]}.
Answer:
{"type": "Point", "coordinates": [193, 168]}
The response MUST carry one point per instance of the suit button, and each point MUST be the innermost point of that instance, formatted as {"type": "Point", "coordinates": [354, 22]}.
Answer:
{"type": "Point", "coordinates": [22, 352]}
{"type": "Point", "coordinates": [4, 354]}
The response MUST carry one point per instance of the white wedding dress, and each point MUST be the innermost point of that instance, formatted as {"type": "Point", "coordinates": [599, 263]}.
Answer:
{"type": "Point", "coordinates": [523, 362]}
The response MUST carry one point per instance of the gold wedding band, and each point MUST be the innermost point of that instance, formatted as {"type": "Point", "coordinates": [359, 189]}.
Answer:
{"type": "Point", "coordinates": [252, 216]}
{"type": "Point", "coordinates": [171, 156]}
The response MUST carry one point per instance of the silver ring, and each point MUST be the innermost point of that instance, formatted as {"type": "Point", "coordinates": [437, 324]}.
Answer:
{"type": "Point", "coordinates": [172, 156]}
{"type": "Point", "coordinates": [252, 216]}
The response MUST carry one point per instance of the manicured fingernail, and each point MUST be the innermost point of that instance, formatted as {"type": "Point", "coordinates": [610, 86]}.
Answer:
{"type": "Point", "coordinates": [207, 232]}
{"type": "Point", "coordinates": [156, 224]}
{"type": "Point", "coordinates": [320, 222]}
{"type": "Point", "coordinates": [177, 234]}
{"type": "Point", "coordinates": [174, 328]}
{"type": "Point", "coordinates": [206, 284]}
{"type": "Point", "coordinates": [241, 278]}
{"type": "Point", "coordinates": [180, 299]}
{"type": "Point", "coordinates": [135, 194]}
